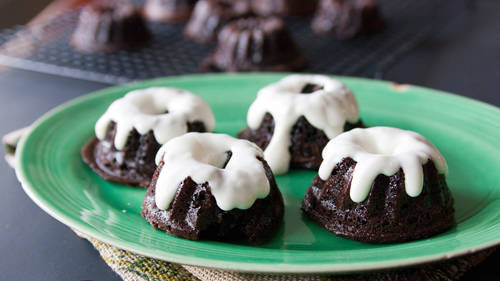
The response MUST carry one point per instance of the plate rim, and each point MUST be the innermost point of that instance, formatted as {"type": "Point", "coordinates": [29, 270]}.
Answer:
{"type": "Point", "coordinates": [317, 267]}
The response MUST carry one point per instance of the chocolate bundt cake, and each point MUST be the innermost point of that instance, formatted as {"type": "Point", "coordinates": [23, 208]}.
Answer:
{"type": "Point", "coordinates": [134, 127]}
{"type": "Point", "coordinates": [209, 16]}
{"type": "Point", "coordinates": [171, 11]}
{"type": "Point", "coordinates": [255, 44]}
{"type": "Point", "coordinates": [111, 25]}
{"type": "Point", "coordinates": [213, 186]}
{"type": "Point", "coordinates": [381, 185]}
{"type": "Point", "coordinates": [284, 7]}
{"type": "Point", "coordinates": [347, 18]}
{"type": "Point", "coordinates": [292, 120]}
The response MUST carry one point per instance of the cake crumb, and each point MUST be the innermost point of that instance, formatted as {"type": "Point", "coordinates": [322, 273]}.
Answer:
{"type": "Point", "coordinates": [400, 87]}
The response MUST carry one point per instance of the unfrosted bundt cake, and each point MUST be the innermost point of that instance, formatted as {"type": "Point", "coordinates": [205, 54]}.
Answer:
{"type": "Point", "coordinates": [347, 18]}
{"type": "Point", "coordinates": [284, 7]}
{"type": "Point", "coordinates": [213, 186]}
{"type": "Point", "coordinates": [381, 185]}
{"type": "Point", "coordinates": [110, 25]}
{"type": "Point", "coordinates": [134, 127]}
{"type": "Point", "coordinates": [255, 44]}
{"type": "Point", "coordinates": [172, 11]}
{"type": "Point", "coordinates": [209, 16]}
{"type": "Point", "coordinates": [293, 119]}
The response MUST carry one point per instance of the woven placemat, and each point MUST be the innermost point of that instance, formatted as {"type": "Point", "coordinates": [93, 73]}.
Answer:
{"type": "Point", "coordinates": [133, 267]}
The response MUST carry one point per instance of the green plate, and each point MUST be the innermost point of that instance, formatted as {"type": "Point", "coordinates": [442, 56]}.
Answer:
{"type": "Point", "coordinates": [467, 132]}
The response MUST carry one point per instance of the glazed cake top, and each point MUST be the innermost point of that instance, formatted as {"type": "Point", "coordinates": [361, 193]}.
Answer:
{"type": "Point", "coordinates": [165, 111]}
{"type": "Point", "coordinates": [381, 150]}
{"type": "Point", "coordinates": [326, 108]}
{"type": "Point", "coordinates": [234, 183]}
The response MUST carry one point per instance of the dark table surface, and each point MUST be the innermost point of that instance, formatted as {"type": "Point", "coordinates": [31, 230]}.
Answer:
{"type": "Point", "coordinates": [463, 59]}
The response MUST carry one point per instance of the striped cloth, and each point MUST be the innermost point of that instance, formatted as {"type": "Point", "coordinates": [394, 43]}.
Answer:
{"type": "Point", "coordinates": [132, 267]}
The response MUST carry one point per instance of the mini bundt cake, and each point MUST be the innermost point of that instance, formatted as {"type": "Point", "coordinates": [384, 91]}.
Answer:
{"type": "Point", "coordinates": [347, 18]}
{"type": "Point", "coordinates": [134, 127]}
{"type": "Point", "coordinates": [213, 186]}
{"type": "Point", "coordinates": [292, 120]}
{"type": "Point", "coordinates": [284, 7]}
{"type": "Point", "coordinates": [172, 11]}
{"type": "Point", "coordinates": [111, 25]}
{"type": "Point", "coordinates": [381, 185]}
{"type": "Point", "coordinates": [209, 16]}
{"type": "Point", "coordinates": [255, 44]}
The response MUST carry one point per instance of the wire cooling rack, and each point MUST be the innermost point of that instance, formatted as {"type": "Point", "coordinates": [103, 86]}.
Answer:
{"type": "Point", "coordinates": [45, 47]}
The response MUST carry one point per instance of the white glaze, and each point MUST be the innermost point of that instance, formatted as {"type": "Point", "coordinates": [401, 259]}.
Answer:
{"type": "Point", "coordinates": [201, 157]}
{"type": "Point", "coordinates": [381, 150]}
{"type": "Point", "coordinates": [144, 110]}
{"type": "Point", "coordinates": [327, 109]}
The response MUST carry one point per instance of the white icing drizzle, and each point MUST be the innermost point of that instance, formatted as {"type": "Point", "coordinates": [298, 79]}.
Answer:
{"type": "Point", "coordinates": [201, 157]}
{"type": "Point", "coordinates": [327, 109]}
{"type": "Point", "coordinates": [381, 150]}
{"type": "Point", "coordinates": [145, 110]}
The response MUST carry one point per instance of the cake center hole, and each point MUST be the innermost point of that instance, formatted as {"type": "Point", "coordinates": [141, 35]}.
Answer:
{"type": "Point", "coordinates": [154, 111]}
{"type": "Point", "coordinates": [377, 148]}
{"type": "Point", "coordinates": [311, 88]}
{"type": "Point", "coordinates": [105, 9]}
{"type": "Point", "coordinates": [229, 154]}
{"type": "Point", "coordinates": [216, 159]}
{"type": "Point", "coordinates": [158, 112]}
{"type": "Point", "coordinates": [225, 5]}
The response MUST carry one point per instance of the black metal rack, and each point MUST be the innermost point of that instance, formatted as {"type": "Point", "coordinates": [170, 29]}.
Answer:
{"type": "Point", "coordinates": [45, 48]}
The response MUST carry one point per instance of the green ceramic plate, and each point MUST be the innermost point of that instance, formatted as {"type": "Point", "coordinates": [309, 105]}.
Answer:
{"type": "Point", "coordinates": [465, 131]}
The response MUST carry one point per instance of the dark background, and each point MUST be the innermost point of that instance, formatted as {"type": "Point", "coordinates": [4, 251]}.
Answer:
{"type": "Point", "coordinates": [463, 59]}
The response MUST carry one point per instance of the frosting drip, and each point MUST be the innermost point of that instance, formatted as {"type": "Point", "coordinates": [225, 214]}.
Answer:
{"type": "Point", "coordinates": [236, 183]}
{"type": "Point", "coordinates": [327, 109]}
{"type": "Point", "coordinates": [381, 150]}
{"type": "Point", "coordinates": [165, 111]}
